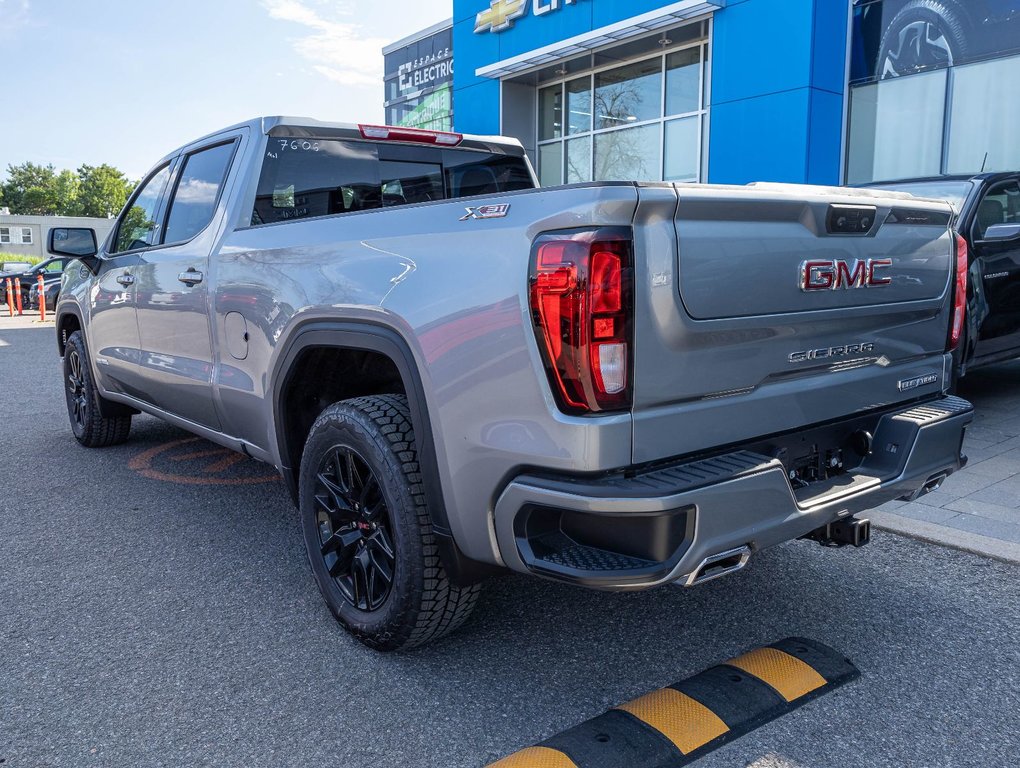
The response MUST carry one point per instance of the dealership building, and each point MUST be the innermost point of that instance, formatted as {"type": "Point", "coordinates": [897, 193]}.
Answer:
{"type": "Point", "coordinates": [723, 91]}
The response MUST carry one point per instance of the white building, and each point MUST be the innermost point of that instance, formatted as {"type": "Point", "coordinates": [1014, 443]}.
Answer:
{"type": "Point", "coordinates": [27, 235]}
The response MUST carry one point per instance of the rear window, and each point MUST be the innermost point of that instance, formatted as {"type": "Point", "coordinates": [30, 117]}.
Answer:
{"type": "Point", "coordinates": [305, 178]}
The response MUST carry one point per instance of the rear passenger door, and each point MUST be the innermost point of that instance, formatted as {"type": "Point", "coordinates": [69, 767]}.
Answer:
{"type": "Point", "coordinates": [176, 362]}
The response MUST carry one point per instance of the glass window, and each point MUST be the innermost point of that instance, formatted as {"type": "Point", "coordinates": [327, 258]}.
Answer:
{"type": "Point", "coordinates": [198, 189]}
{"type": "Point", "coordinates": [984, 119]}
{"type": "Point", "coordinates": [1001, 205]}
{"type": "Point", "coordinates": [628, 94]}
{"type": "Point", "coordinates": [896, 128]}
{"type": "Point", "coordinates": [574, 115]}
{"type": "Point", "coordinates": [682, 143]}
{"type": "Point", "coordinates": [468, 175]}
{"type": "Point", "coordinates": [550, 163]}
{"type": "Point", "coordinates": [550, 113]}
{"type": "Point", "coordinates": [328, 176]}
{"type": "Point", "coordinates": [54, 266]}
{"type": "Point", "coordinates": [26, 236]}
{"type": "Point", "coordinates": [579, 105]}
{"type": "Point", "coordinates": [632, 154]}
{"type": "Point", "coordinates": [683, 81]}
{"type": "Point", "coordinates": [137, 228]}
{"type": "Point", "coordinates": [579, 159]}
{"type": "Point", "coordinates": [5, 234]}
{"type": "Point", "coordinates": [404, 183]}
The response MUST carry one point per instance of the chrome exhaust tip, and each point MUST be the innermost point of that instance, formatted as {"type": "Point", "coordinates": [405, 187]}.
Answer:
{"type": "Point", "coordinates": [718, 565]}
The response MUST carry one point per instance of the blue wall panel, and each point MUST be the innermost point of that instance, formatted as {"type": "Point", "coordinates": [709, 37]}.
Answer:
{"type": "Point", "coordinates": [471, 51]}
{"type": "Point", "coordinates": [760, 139]}
{"type": "Point", "coordinates": [828, 63]}
{"type": "Point", "coordinates": [825, 156]}
{"type": "Point", "coordinates": [476, 108]}
{"type": "Point", "coordinates": [778, 79]}
{"type": "Point", "coordinates": [760, 47]}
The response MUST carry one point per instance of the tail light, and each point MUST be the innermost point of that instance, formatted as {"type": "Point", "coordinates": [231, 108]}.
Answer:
{"type": "Point", "coordinates": [582, 307]}
{"type": "Point", "coordinates": [415, 135]}
{"type": "Point", "coordinates": [959, 294]}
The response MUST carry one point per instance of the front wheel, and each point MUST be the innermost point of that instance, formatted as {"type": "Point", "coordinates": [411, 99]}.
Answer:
{"type": "Point", "coordinates": [90, 427]}
{"type": "Point", "coordinates": [367, 529]}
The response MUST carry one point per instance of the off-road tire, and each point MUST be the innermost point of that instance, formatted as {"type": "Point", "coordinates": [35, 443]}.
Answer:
{"type": "Point", "coordinates": [942, 14]}
{"type": "Point", "coordinates": [422, 604]}
{"type": "Point", "coordinates": [90, 427]}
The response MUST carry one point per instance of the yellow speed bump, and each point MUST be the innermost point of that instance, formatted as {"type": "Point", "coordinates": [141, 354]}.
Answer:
{"type": "Point", "coordinates": [535, 757]}
{"type": "Point", "coordinates": [678, 724]}
{"type": "Point", "coordinates": [787, 674]}
{"type": "Point", "coordinates": [689, 724]}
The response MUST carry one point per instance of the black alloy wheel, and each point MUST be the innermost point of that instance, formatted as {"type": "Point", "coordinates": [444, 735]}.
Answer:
{"type": "Point", "coordinates": [85, 406]}
{"type": "Point", "coordinates": [77, 397]}
{"type": "Point", "coordinates": [354, 527]}
{"type": "Point", "coordinates": [367, 528]}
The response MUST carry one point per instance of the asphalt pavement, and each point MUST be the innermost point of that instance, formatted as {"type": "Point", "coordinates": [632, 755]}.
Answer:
{"type": "Point", "coordinates": [156, 608]}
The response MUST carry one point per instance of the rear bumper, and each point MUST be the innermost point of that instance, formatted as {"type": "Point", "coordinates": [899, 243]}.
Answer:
{"type": "Point", "coordinates": [632, 531]}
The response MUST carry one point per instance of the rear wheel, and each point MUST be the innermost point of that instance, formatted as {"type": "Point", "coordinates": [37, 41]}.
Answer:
{"type": "Point", "coordinates": [367, 530]}
{"type": "Point", "coordinates": [90, 427]}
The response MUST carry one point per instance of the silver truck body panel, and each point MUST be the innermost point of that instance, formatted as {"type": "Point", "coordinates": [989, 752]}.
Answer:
{"type": "Point", "coordinates": [711, 341]}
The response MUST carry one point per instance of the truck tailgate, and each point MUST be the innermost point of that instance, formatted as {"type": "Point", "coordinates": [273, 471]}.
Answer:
{"type": "Point", "coordinates": [773, 307]}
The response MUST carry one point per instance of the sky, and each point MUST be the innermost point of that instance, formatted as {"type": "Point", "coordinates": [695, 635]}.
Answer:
{"type": "Point", "coordinates": [125, 81]}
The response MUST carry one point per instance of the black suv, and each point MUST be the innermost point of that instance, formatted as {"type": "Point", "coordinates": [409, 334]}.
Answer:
{"type": "Point", "coordinates": [51, 270]}
{"type": "Point", "coordinates": [988, 216]}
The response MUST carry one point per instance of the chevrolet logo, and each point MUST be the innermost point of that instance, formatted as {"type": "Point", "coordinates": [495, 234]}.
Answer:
{"type": "Point", "coordinates": [499, 15]}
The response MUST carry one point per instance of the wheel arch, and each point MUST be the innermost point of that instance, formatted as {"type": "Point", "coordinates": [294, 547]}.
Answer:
{"type": "Point", "coordinates": [68, 320]}
{"type": "Point", "coordinates": [382, 340]}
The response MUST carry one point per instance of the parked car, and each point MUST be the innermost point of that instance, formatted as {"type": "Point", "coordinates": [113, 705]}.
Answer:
{"type": "Point", "coordinates": [52, 288]}
{"type": "Point", "coordinates": [10, 269]}
{"type": "Point", "coordinates": [614, 385]}
{"type": "Point", "coordinates": [987, 208]}
{"type": "Point", "coordinates": [13, 268]}
{"type": "Point", "coordinates": [51, 269]}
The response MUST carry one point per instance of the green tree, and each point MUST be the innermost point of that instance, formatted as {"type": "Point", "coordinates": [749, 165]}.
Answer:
{"type": "Point", "coordinates": [34, 189]}
{"type": "Point", "coordinates": [67, 189]}
{"type": "Point", "coordinates": [103, 190]}
{"type": "Point", "coordinates": [30, 189]}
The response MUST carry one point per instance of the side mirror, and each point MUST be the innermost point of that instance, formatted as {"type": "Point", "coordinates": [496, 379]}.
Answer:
{"type": "Point", "coordinates": [76, 242]}
{"type": "Point", "coordinates": [1002, 233]}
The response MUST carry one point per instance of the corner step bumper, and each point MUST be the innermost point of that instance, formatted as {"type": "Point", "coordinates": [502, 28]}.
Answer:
{"type": "Point", "coordinates": [632, 531]}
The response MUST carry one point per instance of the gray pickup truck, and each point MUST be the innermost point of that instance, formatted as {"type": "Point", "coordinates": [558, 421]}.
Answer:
{"type": "Point", "coordinates": [617, 385]}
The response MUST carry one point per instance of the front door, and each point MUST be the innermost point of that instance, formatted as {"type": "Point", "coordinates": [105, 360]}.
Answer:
{"type": "Point", "coordinates": [176, 362]}
{"type": "Point", "coordinates": [113, 330]}
{"type": "Point", "coordinates": [997, 264]}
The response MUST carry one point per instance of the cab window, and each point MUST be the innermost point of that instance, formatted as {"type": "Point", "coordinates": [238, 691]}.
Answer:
{"type": "Point", "coordinates": [137, 227]}
{"type": "Point", "coordinates": [197, 193]}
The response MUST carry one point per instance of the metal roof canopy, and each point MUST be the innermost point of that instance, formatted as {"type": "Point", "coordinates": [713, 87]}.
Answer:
{"type": "Point", "coordinates": [597, 38]}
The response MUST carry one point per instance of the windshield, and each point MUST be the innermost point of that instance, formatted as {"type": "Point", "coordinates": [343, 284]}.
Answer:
{"type": "Point", "coordinates": [954, 192]}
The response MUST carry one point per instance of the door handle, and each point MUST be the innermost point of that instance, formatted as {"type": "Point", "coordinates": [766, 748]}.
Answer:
{"type": "Point", "coordinates": [191, 277]}
{"type": "Point", "coordinates": [125, 279]}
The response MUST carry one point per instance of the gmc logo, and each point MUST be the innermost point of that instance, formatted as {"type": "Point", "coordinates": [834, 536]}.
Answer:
{"type": "Point", "coordinates": [830, 275]}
